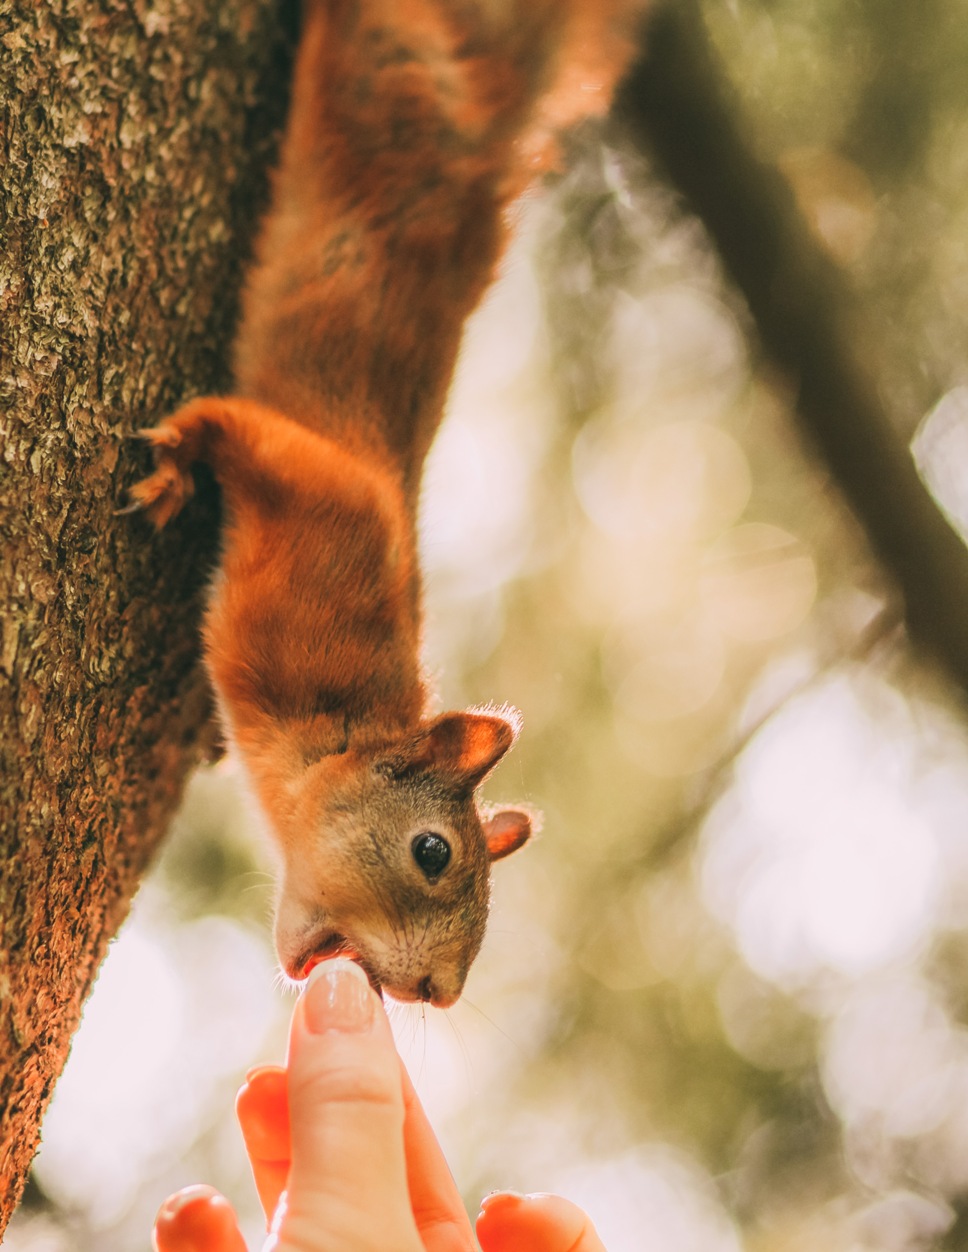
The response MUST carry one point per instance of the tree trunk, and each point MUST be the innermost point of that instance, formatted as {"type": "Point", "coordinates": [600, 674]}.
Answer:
{"type": "Point", "coordinates": [135, 139]}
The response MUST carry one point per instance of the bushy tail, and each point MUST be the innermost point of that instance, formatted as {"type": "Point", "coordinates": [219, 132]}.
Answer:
{"type": "Point", "coordinates": [413, 123]}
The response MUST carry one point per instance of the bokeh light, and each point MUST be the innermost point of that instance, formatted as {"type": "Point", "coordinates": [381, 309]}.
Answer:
{"type": "Point", "coordinates": [819, 856]}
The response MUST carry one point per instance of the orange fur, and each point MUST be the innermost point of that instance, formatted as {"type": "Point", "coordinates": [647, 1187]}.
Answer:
{"type": "Point", "coordinates": [413, 124]}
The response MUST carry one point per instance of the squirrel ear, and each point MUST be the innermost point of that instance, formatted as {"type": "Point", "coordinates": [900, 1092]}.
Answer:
{"type": "Point", "coordinates": [459, 747]}
{"type": "Point", "coordinates": [467, 746]}
{"type": "Point", "coordinates": [505, 832]}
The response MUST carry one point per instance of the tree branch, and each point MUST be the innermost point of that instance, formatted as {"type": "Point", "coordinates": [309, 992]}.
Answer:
{"type": "Point", "coordinates": [677, 104]}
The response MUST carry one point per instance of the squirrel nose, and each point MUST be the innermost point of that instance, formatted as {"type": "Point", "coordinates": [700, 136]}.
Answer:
{"type": "Point", "coordinates": [432, 993]}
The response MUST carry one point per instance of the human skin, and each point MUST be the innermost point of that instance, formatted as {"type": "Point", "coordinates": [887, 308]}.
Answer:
{"type": "Point", "coordinates": [344, 1158]}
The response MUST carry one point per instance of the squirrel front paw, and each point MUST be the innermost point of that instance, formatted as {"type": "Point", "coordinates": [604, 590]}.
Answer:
{"type": "Point", "coordinates": [162, 494]}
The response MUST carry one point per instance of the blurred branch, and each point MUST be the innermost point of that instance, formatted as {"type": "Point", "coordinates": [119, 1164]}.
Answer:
{"type": "Point", "coordinates": [677, 103]}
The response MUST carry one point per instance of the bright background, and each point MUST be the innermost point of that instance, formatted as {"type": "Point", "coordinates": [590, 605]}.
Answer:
{"type": "Point", "coordinates": [723, 1001]}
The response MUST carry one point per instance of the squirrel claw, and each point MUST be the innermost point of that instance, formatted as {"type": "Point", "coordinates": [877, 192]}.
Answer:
{"type": "Point", "coordinates": [167, 435]}
{"type": "Point", "coordinates": [161, 495]}
{"type": "Point", "coordinates": [134, 506]}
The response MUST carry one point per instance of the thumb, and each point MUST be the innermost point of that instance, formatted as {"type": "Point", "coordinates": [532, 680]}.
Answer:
{"type": "Point", "coordinates": [348, 1177]}
{"type": "Point", "coordinates": [535, 1223]}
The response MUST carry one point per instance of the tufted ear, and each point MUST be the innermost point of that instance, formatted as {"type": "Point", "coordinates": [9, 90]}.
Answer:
{"type": "Point", "coordinates": [505, 832]}
{"type": "Point", "coordinates": [462, 748]}
{"type": "Point", "coordinates": [467, 746]}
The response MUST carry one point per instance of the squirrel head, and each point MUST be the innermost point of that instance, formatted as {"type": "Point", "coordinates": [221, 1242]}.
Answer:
{"type": "Point", "coordinates": [388, 860]}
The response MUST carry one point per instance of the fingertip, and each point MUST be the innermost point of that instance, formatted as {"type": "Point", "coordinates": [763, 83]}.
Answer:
{"type": "Point", "coordinates": [509, 1222]}
{"type": "Point", "coordinates": [337, 997]}
{"type": "Point", "coordinates": [260, 1073]}
{"type": "Point", "coordinates": [497, 1201]}
{"type": "Point", "coordinates": [197, 1219]}
{"type": "Point", "coordinates": [262, 1107]}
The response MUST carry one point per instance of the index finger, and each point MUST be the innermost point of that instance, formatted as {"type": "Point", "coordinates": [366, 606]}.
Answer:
{"type": "Point", "coordinates": [263, 1112]}
{"type": "Point", "coordinates": [437, 1206]}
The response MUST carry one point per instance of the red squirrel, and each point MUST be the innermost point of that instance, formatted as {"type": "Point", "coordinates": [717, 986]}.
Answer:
{"type": "Point", "coordinates": [412, 127]}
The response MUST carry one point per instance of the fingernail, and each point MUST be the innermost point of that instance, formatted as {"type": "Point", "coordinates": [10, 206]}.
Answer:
{"type": "Point", "coordinates": [338, 997]}
{"type": "Point", "coordinates": [500, 1200]}
{"type": "Point", "coordinates": [258, 1070]}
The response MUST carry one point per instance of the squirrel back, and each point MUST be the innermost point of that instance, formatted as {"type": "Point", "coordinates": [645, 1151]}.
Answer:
{"type": "Point", "coordinates": [412, 127]}
{"type": "Point", "coordinates": [415, 124]}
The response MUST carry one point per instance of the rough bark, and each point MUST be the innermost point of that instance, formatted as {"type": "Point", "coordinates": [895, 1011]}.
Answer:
{"type": "Point", "coordinates": [135, 138]}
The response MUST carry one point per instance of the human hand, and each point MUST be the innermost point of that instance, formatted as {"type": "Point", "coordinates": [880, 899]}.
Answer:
{"type": "Point", "coordinates": [344, 1157]}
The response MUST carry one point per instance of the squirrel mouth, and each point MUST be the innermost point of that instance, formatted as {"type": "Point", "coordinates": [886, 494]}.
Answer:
{"type": "Point", "coordinates": [333, 946]}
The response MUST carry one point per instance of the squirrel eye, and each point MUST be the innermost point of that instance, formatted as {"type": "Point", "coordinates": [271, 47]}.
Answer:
{"type": "Point", "coordinates": [432, 854]}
